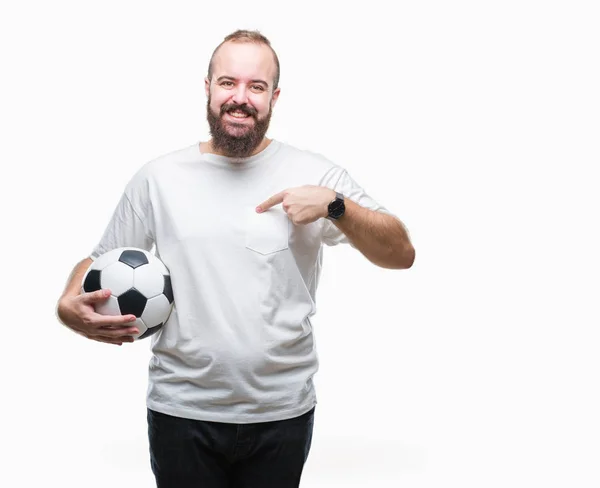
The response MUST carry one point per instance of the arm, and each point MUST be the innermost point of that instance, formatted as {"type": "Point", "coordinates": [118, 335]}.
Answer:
{"type": "Point", "coordinates": [76, 311]}
{"type": "Point", "coordinates": [381, 238]}
{"type": "Point", "coordinates": [73, 286]}
{"type": "Point", "coordinates": [127, 227]}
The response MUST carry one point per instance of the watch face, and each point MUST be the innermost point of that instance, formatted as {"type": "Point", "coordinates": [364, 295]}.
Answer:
{"type": "Point", "coordinates": [336, 209]}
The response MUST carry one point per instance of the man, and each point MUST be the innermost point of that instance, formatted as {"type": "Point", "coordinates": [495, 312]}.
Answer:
{"type": "Point", "coordinates": [240, 221]}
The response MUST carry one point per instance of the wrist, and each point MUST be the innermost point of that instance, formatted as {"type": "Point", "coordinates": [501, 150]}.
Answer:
{"type": "Point", "coordinates": [336, 207]}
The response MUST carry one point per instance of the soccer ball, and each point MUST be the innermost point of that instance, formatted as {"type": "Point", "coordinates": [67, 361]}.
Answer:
{"type": "Point", "coordinates": [140, 285]}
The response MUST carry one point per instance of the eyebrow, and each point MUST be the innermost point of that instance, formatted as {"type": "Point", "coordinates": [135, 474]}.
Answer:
{"type": "Point", "coordinates": [231, 78]}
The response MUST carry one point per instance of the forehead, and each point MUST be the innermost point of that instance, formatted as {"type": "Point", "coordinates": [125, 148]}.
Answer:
{"type": "Point", "coordinates": [245, 60]}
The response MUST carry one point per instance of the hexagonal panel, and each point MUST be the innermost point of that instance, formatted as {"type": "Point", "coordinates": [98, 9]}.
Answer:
{"type": "Point", "coordinates": [133, 258]}
{"type": "Point", "coordinates": [157, 311]}
{"type": "Point", "coordinates": [109, 307]}
{"type": "Point", "coordinates": [148, 281]}
{"type": "Point", "coordinates": [105, 259]}
{"type": "Point", "coordinates": [118, 277]}
{"type": "Point", "coordinates": [132, 302]}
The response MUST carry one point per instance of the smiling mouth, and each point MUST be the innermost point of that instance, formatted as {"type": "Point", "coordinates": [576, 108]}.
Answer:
{"type": "Point", "coordinates": [238, 114]}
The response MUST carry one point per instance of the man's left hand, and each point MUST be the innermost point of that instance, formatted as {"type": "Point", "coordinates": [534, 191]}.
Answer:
{"type": "Point", "coordinates": [303, 204]}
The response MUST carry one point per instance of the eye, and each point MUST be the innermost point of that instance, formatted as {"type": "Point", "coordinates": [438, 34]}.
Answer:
{"type": "Point", "coordinates": [257, 88]}
{"type": "Point", "coordinates": [227, 84]}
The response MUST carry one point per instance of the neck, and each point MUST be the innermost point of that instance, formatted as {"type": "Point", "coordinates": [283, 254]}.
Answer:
{"type": "Point", "coordinates": [208, 148]}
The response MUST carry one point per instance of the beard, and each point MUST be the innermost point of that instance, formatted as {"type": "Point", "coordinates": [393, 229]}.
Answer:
{"type": "Point", "coordinates": [244, 139]}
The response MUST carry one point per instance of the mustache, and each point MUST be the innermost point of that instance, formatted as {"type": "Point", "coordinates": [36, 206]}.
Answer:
{"type": "Point", "coordinates": [244, 108]}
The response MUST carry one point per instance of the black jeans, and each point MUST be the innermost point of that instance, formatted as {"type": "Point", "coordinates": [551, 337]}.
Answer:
{"type": "Point", "coordinates": [193, 453]}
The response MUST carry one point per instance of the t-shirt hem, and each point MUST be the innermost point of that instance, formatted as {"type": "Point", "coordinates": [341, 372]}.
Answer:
{"type": "Point", "coordinates": [199, 414]}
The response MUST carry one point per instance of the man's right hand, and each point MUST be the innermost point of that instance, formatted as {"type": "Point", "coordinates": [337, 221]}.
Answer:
{"type": "Point", "coordinates": [78, 313]}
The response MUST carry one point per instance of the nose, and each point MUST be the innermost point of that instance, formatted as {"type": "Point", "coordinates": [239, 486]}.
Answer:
{"type": "Point", "coordinates": [240, 96]}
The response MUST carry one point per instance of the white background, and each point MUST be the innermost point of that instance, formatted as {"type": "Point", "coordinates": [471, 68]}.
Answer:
{"type": "Point", "coordinates": [475, 122]}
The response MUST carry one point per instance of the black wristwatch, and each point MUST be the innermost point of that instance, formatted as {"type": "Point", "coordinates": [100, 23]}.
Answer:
{"type": "Point", "coordinates": [337, 207]}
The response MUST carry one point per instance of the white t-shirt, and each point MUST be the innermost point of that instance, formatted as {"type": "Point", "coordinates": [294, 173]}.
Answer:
{"type": "Point", "coordinates": [238, 346]}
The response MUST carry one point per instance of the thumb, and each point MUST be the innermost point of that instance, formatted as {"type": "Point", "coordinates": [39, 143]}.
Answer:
{"type": "Point", "coordinates": [96, 296]}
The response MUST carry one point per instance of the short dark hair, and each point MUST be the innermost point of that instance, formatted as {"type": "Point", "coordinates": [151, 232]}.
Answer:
{"type": "Point", "coordinates": [247, 36]}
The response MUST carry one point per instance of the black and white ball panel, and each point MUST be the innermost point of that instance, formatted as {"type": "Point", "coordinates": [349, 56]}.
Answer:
{"type": "Point", "coordinates": [154, 310]}
{"type": "Point", "coordinates": [133, 258]}
{"type": "Point", "coordinates": [168, 289]}
{"type": "Point", "coordinates": [109, 307]}
{"type": "Point", "coordinates": [148, 282]}
{"type": "Point", "coordinates": [118, 277]}
{"type": "Point", "coordinates": [140, 285]}
{"type": "Point", "coordinates": [132, 302]}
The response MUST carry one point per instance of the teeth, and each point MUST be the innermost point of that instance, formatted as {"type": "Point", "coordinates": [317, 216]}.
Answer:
{"type": "Point", "coordinates": [239, 115]}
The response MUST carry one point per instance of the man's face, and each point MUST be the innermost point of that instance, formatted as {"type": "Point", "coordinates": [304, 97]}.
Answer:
{"type": "Point", "coordinates": [240, 97]}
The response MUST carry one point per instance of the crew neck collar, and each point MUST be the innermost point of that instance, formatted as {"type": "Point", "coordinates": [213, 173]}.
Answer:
{"type": "Point", "coordinates": [240, 163]}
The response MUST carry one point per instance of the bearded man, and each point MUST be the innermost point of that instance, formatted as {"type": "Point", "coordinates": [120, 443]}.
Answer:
{"type": "Point", "coordinates": [240, 221]}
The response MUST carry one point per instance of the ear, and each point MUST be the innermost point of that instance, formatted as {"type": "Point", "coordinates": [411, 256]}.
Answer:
{"type": "Point", "coordinates": [275, 96]}
{"type": "Point", "coordinates": [206, 86]}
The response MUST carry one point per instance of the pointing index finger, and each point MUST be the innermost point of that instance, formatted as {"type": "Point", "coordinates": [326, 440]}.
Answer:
{"type": "Point", "coordinates": [270, 202]}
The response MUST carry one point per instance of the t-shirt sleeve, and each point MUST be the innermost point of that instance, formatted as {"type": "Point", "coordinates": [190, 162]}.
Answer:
{"type": "Point", "coordinates": [339, 180]}
{"type": "Point", "coordinates": [129, 225]}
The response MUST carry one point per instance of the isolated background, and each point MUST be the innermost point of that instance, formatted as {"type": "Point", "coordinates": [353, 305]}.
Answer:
{"type": "Point", "coordinates": [476, 122]}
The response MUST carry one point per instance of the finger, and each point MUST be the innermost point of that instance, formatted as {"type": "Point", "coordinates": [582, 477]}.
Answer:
{"type": "Point", "coordinates": [270, 202]}
{"type": "Point", "coordinates": [117, 332]}
{"type": "Point", "coordinates": [113, 320]}
{"type": "Point", "coordinates": [96, 296]}
{"type": "Point", "coordinates": [121, 334]}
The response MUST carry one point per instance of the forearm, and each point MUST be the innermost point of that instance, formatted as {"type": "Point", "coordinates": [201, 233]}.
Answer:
{"type": "Point", "coordinates": [73, 286]}
{"type": "Point", "coordinates": [380, 237]}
